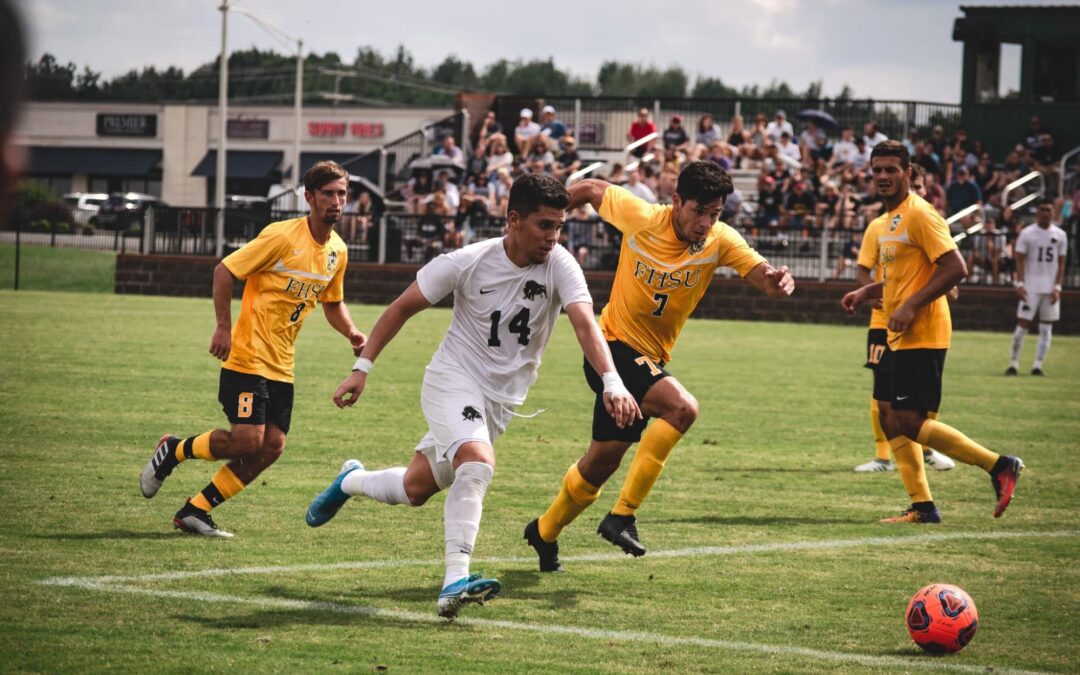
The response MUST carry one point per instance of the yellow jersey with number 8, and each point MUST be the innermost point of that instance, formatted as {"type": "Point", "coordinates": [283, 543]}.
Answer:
{"type": "Point", "coordinates": [660, 278]}
{"type": "Point", "coordinates": [286, 271]}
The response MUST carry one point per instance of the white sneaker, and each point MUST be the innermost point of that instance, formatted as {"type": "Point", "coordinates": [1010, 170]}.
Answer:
{"type": "Point", "coordinates": [875, 465]}
{"type": "Point", "coordinates": [935, 459]}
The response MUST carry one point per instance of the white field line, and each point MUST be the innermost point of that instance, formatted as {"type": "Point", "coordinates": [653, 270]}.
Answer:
{"type": "Point", "coordinates": [915, 664]}
{"type": "Point", "coordinates": [699, 551]}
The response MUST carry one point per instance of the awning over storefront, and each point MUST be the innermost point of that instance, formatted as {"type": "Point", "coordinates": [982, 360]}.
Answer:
{"type": "Point", "coordinates": [241, 163]}
{"type": "Point", "coordinates": [93, 161]}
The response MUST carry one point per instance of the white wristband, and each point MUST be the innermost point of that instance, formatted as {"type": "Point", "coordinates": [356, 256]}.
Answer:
{"type": "Point", "coordinates": [363, 364]}
{"type": "Point", "coordinates": [613, 384]}
{"type": "Point", "coordinates": [1057, 287]}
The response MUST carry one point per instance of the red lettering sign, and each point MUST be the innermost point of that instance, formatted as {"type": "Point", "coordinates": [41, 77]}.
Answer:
{"type": "Point", "coordinates": [366, 129]}
{"type": "Point", "coordinates": [326, 128]}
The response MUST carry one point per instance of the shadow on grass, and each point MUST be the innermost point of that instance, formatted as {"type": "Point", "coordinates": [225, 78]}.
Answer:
{"type": "Point", "coordinates": [108, 534]}
{"type": "Point", "coordinates": [761, 520]}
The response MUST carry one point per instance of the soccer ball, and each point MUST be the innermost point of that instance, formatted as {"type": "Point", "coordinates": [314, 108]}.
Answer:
{"type": "Point", "coordinates": [942, 618]}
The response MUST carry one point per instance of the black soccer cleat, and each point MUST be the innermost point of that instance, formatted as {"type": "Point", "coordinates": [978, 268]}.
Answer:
{"type": "Point", "coordinates": [622, 531]}
{"type": "Point", "coordinates": [1010, 371]}
{"type": "Point", "coordinates": [1038, 372]}
{"type": "Point", "coordinates": [548, 552]}
{"type": "Point", "coordinates": [159, 466]}
{"type": "Point", "coordinates": [193, 520]}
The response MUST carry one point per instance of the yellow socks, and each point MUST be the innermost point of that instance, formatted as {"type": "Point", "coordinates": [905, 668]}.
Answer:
{"type": "Point", "coordinates": [955, 444]}
{"type": "Point", "coordinates": [575, 496]}
{"type": "Point", "coordinates": [222, 487]}
{"type": "Point", "coordinates": [881, 443]}
{"type": "Point", "coordinates": [195, 447]}
{"type": "Point", "coordinates": [909, 464]}
{"type": "Point", "coordinates": [659, 439]}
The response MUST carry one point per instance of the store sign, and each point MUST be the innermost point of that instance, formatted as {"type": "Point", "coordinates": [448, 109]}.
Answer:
{"type": "Point", "coordinates": [123, 124]}
{"type": "Point", "coordinates": [247, 129]}
{"type": "Point", "coordinates": [341, 129]}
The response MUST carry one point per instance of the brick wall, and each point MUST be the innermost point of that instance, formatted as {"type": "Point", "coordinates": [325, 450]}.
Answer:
{"type": "Point", "coordinates": [979, 308]}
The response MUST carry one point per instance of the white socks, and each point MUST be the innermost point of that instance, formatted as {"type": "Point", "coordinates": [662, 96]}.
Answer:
{"type": "Point", "coordinates": [386, 486]}
{"type": "Point", "coordinates": [1017, 344]}
{"type": "Point", "coordinates": [461, 517]}
{"type": "Point", "coordinates": [1045, 331]}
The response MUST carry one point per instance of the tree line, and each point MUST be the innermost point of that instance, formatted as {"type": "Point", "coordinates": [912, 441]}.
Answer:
{"type": "Point", "coordinates": [257, 76]}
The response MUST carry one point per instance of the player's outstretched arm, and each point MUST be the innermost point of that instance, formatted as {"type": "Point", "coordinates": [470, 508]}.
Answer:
{"type": "Point", "coordinates": [393, 318]}
{"type": "Point", "coordinates": [337, 315]}
{"type": "Point", "coordinates": [775, 283]}
{"type": "Point", "coordinates": [617, 400]}
{"type": "Point", "coordinates": [221, 340]}
{"type": "Point", "coordinates": [588, 191]}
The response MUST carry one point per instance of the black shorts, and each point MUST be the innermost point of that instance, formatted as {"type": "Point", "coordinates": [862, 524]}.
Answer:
{"type": "Point", "coordinates": [253, 399]}
{"type": "Point", "coordinates": [638, 373]}
{"type": "Point", "coordinates": [910, 379]}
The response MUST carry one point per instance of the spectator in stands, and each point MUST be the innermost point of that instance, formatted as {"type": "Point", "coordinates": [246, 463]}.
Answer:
{"type": "Point", "coordinates": [503, 181]}
{"type": "Point", "coordinates": [935, 194]}
{"type": "Point", "coordinates": [525, 131]}
{"type": "Point", "coordinates": [617, 175]}
{"type": "Point", "coordinates": [844, 150]}
{"type": "Point", "coordinates": [417, 190]}
{"type": "Point", "coordinates": [849, 254]}
{"type": "Point", "coordinates": [759, 134]}
{"type": "Point", "coordinates": [550, 127]}
{"type": "Point", "coordinates": [449, 148]}
{"type": "Point", "coordinates": [357, 217]}
{"type": "Point", "coordinates": [873, 135]}
{"type": "Point", "coordinates": [770, 202]}
{"type": "Point", "coordinates": [986, 253]}
{"type": "Point", "coordinates": [1044, 158]}
{"type": "Point", "coordinates": [433, 228]}
{"type": "Point", "coordinates": [861, 162]}
{"type": "Point", "coordinates": [707, 131]}
{"type": "Point", "coordinates": [775, 129]}
{"type": "Point", "coordinates": [924, 158]}
{"type": "Point", "coordinates": [642, 127]}
{"type": "Point", "coordinates": [812, 143]}
{"type": "Point", "coordinates": [1034, 137]}
{"type": "Point", "coordinates": [989, 179]}
{"type": "Point", "coordinates": [720, 153]}
{"type": "Point", "coordinates": [477, 202]}
{"type": "Point", "coordinates": [496, 152]}
{"type": "Point", "coordinates": [799, 205]}
{"type": "Point", "coordinates": [444, 182]}
{"type": "Point", "coordinates": [938, 143]}
{"type": "Point", "coordinates": [635, 183]}
{"type": "Point", "coordinates": [488, 127]}
{"type": "Point", "coordinates": [568, 161]}
{"type": "Point", "coordinates": [666, 183]}
{"type": "Point", "coordinates": [581, 230]}
{"type": "Point", "coordinates": [739, 139]}
{"type": "Point", "coordinates": [675, 136]}
{"type": "Point", "coordinates": [538, 159]}
{"type": "Point", "coordinates": [962, 192]}
{"type": "Point", "coordinates": [787, 148]}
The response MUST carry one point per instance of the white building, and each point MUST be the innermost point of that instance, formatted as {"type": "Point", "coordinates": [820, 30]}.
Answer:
{"type": "Point", "coordinates": [170, 150]}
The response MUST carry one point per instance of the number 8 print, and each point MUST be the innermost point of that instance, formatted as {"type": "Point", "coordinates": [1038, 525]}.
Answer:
{"type": "Point", "coordinates": [244, 407]}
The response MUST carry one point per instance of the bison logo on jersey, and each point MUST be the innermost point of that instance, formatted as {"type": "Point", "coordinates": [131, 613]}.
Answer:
{"type": "Point", "coordinates": [895, 223]}
{"type": "Point", "coordinates": [331, 262]}
{"type": "Point", "coordinates": [697, 247]}
{"type": "Point", "coordinates": [471, 414]}
{"type": "Point", "coordinates": [533, 289]}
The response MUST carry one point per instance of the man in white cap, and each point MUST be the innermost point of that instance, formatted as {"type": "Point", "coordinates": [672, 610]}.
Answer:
{"type": "Point", "coordinates": [775, 129]}
{"type": "Point", "coordinates": [525, 130]}
{"type": "Point", "coordinates": [551, 127]}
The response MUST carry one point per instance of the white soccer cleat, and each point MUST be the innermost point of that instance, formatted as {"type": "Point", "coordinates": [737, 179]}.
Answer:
{"type": "Point", "coordinates": [193, 520]}
{"type": "Point", "coordinates": [938, 461]}
{"type": "Point", "coordinates": [875, 465]}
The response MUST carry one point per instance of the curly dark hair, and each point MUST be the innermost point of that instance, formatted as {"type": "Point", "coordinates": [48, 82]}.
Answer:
{"type": "Point", "coordinates": [535, 190]}
{"type": "Point", "coordinates": [703, 182]}
{"type": "Point", "coordinates": [892, 149]}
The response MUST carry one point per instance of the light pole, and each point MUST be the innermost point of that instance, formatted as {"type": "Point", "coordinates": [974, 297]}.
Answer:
{"type": "Point", "coordinates": [223, 114]}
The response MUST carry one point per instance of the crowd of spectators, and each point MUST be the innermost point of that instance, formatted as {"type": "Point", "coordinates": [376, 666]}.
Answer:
{"type": "Point", "coordinates": [808, 176]}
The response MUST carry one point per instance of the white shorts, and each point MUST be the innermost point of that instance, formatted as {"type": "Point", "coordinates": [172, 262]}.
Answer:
{"type": "Point", "coordinates": [1040, 302]}
{"type": "Point", "coordinates": [457, 412]}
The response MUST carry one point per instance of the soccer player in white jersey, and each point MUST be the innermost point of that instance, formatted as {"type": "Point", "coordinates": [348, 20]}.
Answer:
{"type": "Point", "coordinates": [507, 295]}
{"type": "Point", "coordinates": [1040, 268]}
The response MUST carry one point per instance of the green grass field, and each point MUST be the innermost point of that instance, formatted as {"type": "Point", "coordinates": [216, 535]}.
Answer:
{"type": "Point", "coordinates": [58, 269]}
{"type": "Point", "coordinates": [765, 551]}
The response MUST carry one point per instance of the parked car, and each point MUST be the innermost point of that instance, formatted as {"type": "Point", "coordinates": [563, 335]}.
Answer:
{"type": "Point", "coordinates": [84, 206]}
{"type": "Point", "coordinates": [125, 210]}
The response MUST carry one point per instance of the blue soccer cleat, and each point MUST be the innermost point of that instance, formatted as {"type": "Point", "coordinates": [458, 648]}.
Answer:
{"type": "Point", "coordinates": [465, 590]}
{"type": "Point", "coordinates": [329, 502]}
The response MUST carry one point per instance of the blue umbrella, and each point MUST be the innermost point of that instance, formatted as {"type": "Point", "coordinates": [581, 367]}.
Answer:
{"type": "Point", "coordinates": [820, 118]}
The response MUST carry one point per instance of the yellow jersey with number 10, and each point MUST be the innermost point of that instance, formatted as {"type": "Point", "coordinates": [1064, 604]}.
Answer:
{"type": "Point", "coordinates": [914, 236]}
{"type": "Point", "coordinates": [660, 278]}
{"type": "Point", "coordinates": [287, 271]}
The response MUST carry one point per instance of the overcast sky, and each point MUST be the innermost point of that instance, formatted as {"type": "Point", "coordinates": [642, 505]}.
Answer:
{"type": "Point", "coordinates": [898, 49]}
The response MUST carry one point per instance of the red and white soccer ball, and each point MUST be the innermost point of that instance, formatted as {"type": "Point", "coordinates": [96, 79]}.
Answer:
{"type": "Point", "coordinates": [942, 618]}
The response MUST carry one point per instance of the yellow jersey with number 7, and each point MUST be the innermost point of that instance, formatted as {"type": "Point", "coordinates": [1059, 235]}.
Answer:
{"type": "Point", "coordinates": [660, 278]}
